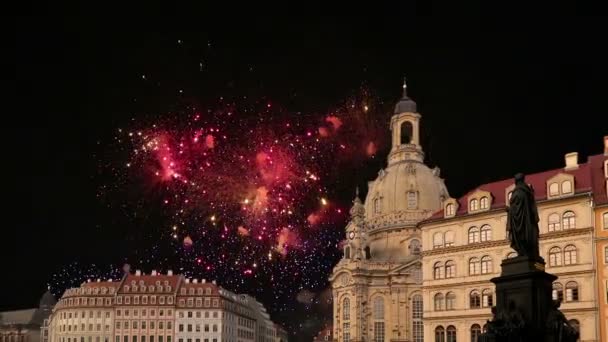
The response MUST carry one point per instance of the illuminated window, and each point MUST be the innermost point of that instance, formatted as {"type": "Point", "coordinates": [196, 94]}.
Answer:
{"type": "Point", "coordinates": [450, 301]}
{"type": "Point", "coordinates": [474, 300]}
{"type": "Point", "coordinates": [438, 301]}
{"type": "Point", "coordinates": [554, 223]}
{"type": "Point", "coordinates": [570, 255]}
{"type": "Point", "coordinates": [557, 292]}
{"type": "Point", "coordinates": [474, 205]}
{"type": "Point", "coordinates": [487, 298]}
{"type": "Point", "coordinates": [486, 233]}
{"type": "Point", "coordinates": [450, 269]}
{"type": "Point", "coordinates": [473, 235]}
{"type": "Point", "coordinates": [474, 266]}
{"type": "Point", "coordinates": [605, 219]}
{"type": "Point", "coordinates": [486, 265]}
{"type": "Point", "coordinates": [449, 209]}
{"type": "Point", "coordinates": [571, 291]}
{"type": "Point", "coordinates": [449, 239]}
{"type": "Point", "coordinates": [566, 187]}
{"type": "Point", "coordinates": [555, 256]}
{"type": "Point", "coordinates": [569, 220]}
{"type": "Point", "coordinates": [553, 189]}
{"type": "Point", "coordinates": [438, 270]}
{"type": "Point", "coordinates": [484, 202]}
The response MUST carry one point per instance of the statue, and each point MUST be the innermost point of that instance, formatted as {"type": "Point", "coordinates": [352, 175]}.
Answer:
{"type": "Point", "coordinates": [522, 219]}
{"type": "Point", "coordinates": [559, 327]}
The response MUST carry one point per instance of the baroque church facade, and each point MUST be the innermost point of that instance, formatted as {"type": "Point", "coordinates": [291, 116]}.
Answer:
{"type": "Point", "coordinates": [377, 285]}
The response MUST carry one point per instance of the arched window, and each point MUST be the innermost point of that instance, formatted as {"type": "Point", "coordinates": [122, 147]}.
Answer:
{"type": "Point", "coordinates": [475, 299]}
{"type": "Point", "coordinates": [438, 300]}
{"type": "Point", "coordinates": [346, 332]}
{"type": "Point", "coordinates": [439, 334]}
{"type": "Point", "coordinates": [438, 270]}
{"type": "Point", "coordinates": [570, 255]}
{"type": "Point", "coordinates": [554, 223]}
{"type": "Point", "coordinates": [558, 292]}
{"type": "Point", "coordinates": [346, 309]}
{"type": "Point", "coordinates": [571, 291]}
{"type": "Point", "coordinates": [486, 264]}
{"type": "Point", "coordinates": [414, 247]}
{"type": "Point", "coordinates": [487, 300]}
{"type": "Point", "coordinates": [475, 332]}
{"type": "Point", "coordinates": [449, 239]}
{"type": "Point", "coordinates": [605, 219]}
{"type": "Point", "coordinates": [484, 202]}
{"type": "Point", "coordinates": [553, 189]}
{"type": "Point", "coordinates": [449, 209]}
{"type": "Point", "coordinates": [379, 319]}
{"type": "Point", "coordinates": [450, 269]}
{"type": "Point", "coordinates": [555, 256]}
{"type": "Point", "coordinates": [412, 200]}
{"type": "Point", "coordinates": [417, 325]}
{"type": "Point", "coordinates": [473, 204]}
{"type": "Point", "coordinates": [450, 301]}
{"type": "Point", "coordinates": [406, 132]}
{"type": "Point", "coordinates": [486, 233]}
{"type": "Point", "coordinates": [473, 235]}
{"type": "Point", "coordinates": [451, 334]}
{"type": "Point", "coordinates": [511, 255]}
{"type": "Point", "coordinates": [347, 252]}
{"type": "Point", "coordinates": [474, 266]}
{"type": "Point", "coordinates": [437, 240]}
{"type": "Point", "coordinates": [569, 220]}
{"type": "Point", "coordinates": [377, 205]}
{"type": "Point", "coordinates": [566, 187]}
{"type": "Point", "coordinates": [378, 308]}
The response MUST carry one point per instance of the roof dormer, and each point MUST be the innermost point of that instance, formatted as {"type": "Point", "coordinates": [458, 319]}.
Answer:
{"type": "Point", "coordinates": [450, 207]}
{"type": "Point", "coordinates": [560, 185]}
{"type": "Point", "coordinates": [478, 201]}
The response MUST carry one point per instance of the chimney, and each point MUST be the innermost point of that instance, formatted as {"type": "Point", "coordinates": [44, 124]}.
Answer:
{"type": "Point", "coordinates": [213, 282]}
{"type": "Point", "coordinates": [137, 272]}
{"type": "Point", "coordinates": [195, 281]}
{"type": "Point", "coordinates": [606, 145]}
{"type": "Point", "coordinates": [153, 272]}
{"type": "Point", "coordinates": [187, 281]}
{"type": "Point", "coordinates": [571, 160]}
{"type": "Point", "coordinates": [169, 272]}
{"type": "Point", "coordinates": [98, 280]}
{"type": "Point", "coordinates": [204, 281]}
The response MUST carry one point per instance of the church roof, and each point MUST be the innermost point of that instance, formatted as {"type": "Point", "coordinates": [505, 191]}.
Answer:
{"type": "Point", "coordinates": [584, 176]}
{"type": "Point", "coordinates": [24, 316]}
{"type": "Point", "coordinates": [405, 105]}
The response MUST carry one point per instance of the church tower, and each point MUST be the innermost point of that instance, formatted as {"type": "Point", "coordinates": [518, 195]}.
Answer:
{"type": "Point", "coordinates": [376, 286]}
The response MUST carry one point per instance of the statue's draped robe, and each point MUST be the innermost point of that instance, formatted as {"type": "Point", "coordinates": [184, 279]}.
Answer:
{"type": "Point", "coordinates": [523, 221]}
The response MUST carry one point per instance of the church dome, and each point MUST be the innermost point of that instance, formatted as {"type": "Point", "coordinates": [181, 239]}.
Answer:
{"type": "Point", "coordinates": [404, 194]}
{"type": "Point", "coordinates": [405, 105]}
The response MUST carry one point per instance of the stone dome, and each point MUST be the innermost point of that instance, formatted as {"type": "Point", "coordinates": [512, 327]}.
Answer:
{"type": "Point", "coordinates": [403, 194]}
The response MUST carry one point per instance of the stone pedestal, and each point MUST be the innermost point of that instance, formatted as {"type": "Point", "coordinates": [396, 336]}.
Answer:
{"type": "Point", "coordinates": [524, 308]}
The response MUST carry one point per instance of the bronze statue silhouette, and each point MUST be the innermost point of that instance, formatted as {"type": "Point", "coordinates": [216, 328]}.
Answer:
{"type": "Point", "coordinates": [522, 219]}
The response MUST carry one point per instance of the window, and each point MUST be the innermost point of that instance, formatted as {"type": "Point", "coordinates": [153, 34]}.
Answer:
{"type": "Point", "coordinates": [181, 328]}
{"type": "Point", "coordinates": [558, 292]}
{"type": "Point", "coordinates": [487, 300]}
{"type": "Point", "coordinates": [451, 334]}
{"type": "Point", "coordinates": [406, 132]}
{"type": "Point", "coordinates": [486, 233]}
{"type": "Point", "coordinates": [417, 325]}
{"type": "Point", "coordinates": [474, 300]}
{"type": "Point", "coordinates": [605, 254]}
{"type": "Point", "coordinates": [347, 252]}
{"type": "Point", "coordinates": [475, 332]}
{"type": "Point", "coordinates": [473, 235]}
{"type": "Point", "coordinates": [412, 200]}
{"type": "Point", "coordinates": [571, 291]}
{"type": "Point", "coordinates": [346, 332]}
{"type": "Point", "coordinates": [438, 270]}
{"type": "Point", "coordinates": [414, 247]}
{"type": "Point", "coordinates": [378, 308]}
{"type": "Point", "coordinates": [449, 209]}
{"type": "Point", "coordinates": [511, 255]}
{"type": "Point", "coordinates": [450, 301]}
{"type": "Point", "coordinates": [484, 202]}
{"type": "Point", "coordinates": [437, 240]}
{"type": "Point", "coordinates": [553, 189]}
{"type": "Point", "coordinates": [346, 309]}
{"type": "Point", "coordinates": [377, 205]}
{"type": "Point", "coordinates": [438, 301]}
{"type": "Point", "coordinates": [486, 264]}
{"type": "Point", "coordinates": [378, 331]}
{"type": "Point", "coordinates": [569, 220]}
{"type": "Point", "coordinates": [570, 255]}
{"type": "Point", "coordinates": [473, 204]}
{"type": "Point", "coordinates": [566, 187]}
{"type": "Point", "coordinates": [554, 223]}
{"type": "Point", "coordinates": [439, 334]}
{"type": "Point", "coordinates": [450, 269]}
{"type": "Point", "coordinates": [474, 266]}
{"type": "Point", "coordinates": [605, 219]}
{"type": "Point", "coordinates": [449, 239]}
{"type": "Point", "coordinates": [555, 256]}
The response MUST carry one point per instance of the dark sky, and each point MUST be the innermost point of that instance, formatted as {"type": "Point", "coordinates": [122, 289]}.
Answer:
{"type": "Point", "coordinates": [495, 99]}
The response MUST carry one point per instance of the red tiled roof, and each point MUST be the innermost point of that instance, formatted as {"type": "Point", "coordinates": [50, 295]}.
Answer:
{"type": "Point", "coordinates": [108, 284]}
{"type": "Point", "coordinates": [191, 285]}
{"type": "Point", "coordinates": [583, 182]}
{"type": "Point", "coordinates": [598, 178]}
{"type": "Point", "coordinates": [148, 280]}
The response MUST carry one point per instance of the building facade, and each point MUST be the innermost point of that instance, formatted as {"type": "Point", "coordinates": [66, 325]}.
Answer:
{"type": "Point", "coordinates": [377, 285]}
{"type": "Point", "coordinates": [27, 325]}
{"type": "Point", "coordinates": [153, 308]}
{"type": "Point", "coordinates": [417, 263]}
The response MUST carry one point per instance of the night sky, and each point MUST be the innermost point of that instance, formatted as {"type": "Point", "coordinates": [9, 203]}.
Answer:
{"type": "Point", "coordinates": [495, 100]}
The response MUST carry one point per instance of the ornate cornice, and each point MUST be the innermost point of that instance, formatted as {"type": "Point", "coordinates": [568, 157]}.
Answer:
{"type": "Point", "coordinates": [397, 219]}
